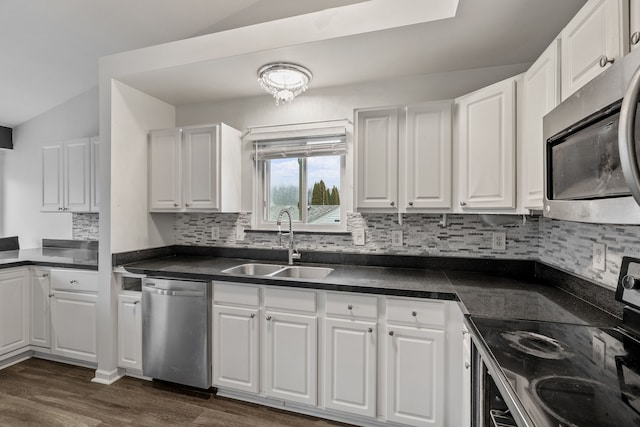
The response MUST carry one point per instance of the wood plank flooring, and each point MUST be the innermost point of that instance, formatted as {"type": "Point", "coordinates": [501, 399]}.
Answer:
{"type": "Point", "coordinates": [38, 392]}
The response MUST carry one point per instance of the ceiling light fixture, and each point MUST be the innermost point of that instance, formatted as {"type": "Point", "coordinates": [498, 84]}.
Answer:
{"type": "Point", "coordinates": [284, 80]}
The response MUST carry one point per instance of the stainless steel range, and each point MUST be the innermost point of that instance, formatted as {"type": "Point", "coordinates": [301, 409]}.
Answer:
{"type": "Point", "coordinates": [561, 374]}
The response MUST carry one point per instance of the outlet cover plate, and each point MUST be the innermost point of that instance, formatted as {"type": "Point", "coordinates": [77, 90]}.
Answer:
{"type": "Point", "coordinates": [396, 237]}
{"type": "Point", "coordinates": [358, 237]}
{"type": "Point", "coordinates": [599, 258]}
{"type": "Point", "coordinates": [499, 241]}
{"type": "Point", "coordinates": [215, 232]}
{"type": "Point", "coordinates": [239, 233]}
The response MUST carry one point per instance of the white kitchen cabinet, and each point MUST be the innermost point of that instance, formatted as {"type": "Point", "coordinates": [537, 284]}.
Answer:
{"type": "Point", "coordinates": [404, 158]}
{"type": "Point", "coordinates": [74, 314]}
{"type": "Point", "coordinates": [596, 35]}
{"type": "Point", "coordinates": [95, 174]}
{"type": "Point", "coordinates": [291, 366]}
{"type": "Point", "coordinates": [634, 23]}
{"type": "Point", "coordinates": [487, 147]}
{"type": "Point", "coordinates": [350, 366]}
{"type": "Point", "coordinates": [195, 169]}
{"type": "Point", "coordinates": [415, 376]}
{"type": "Point", "coordinates": [67, 176]}
{"type": "Point", "coordinates": [541, 89]}
{"type": "Point", "coordinates": [236, 348]}
{"type": "Point", "coordinates": [40, 310]}
{"type": "Point", "coordinates": [14, 309]}
{"type": "Point", "coordinates": [377, 158]}
{"type": "Point", "coordinates": [130, 330]}
{"type": "Point", "coordinates": [426, 157]}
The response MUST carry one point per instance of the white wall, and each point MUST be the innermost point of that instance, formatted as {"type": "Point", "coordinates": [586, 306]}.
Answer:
{"type": "Point", "coordinates": [22, 172]}
{"type": "Point", "coordinates": [133, 115]}
{"type": "Point", "coordinates": [336, 103]}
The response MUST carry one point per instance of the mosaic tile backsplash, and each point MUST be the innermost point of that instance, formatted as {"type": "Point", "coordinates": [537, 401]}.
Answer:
{"type": "Point", "coordinates": [85, 226]}
{"type": "Point", "coordinates": [464, 236]}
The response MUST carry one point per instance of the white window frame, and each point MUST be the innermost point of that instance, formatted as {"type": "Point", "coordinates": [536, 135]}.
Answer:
{"type": "Point", "coordinates": [262, 185]}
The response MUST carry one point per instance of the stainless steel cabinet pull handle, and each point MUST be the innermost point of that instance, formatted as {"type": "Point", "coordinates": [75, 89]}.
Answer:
{"type": "Point", "coordinates": [45, 275]}
{"type": "Point", "coordinates": [175, 205]}
{"type": "Point", "coordinates": [391, 333]}
{"type": "Point", "coordinates": [414, 313]}
{"type": "Point", "coordinates": [268, 317]}
{"type": "Point", "coordinates": [350, 307]}
{"type": "Point", "coordinates": [187, 204]}
{"type": "Point", "coordinates": [410, 203]}
{"type": "Point", "coordinates": [73, 282]}
{"type": "Point", "coordinates": [466, 365]}
{"type": "Point", "coordinates": [252, 315]}
{"type": "Point", "coordinates": [635, 38]}
{"type": "Point", "coordinates": [464, 332]}
{"type": "Point", "coordinates": [393, 203]}
{"type": "Point", "coordinates": [136, 302]}
{"type": "Point", "coordinates": [463, 203]}
{"type": "Point", "coordinates": [51, 295]}
{"type": "Point", "coordinates": [370, 330]}
{"type": "Point", "coordinates": [604, 60]}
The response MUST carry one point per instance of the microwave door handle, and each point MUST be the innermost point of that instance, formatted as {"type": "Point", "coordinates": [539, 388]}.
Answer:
{"type": "Point", "coordinates": [626, 136]}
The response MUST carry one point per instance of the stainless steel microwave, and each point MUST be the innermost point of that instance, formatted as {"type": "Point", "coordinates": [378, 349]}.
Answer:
{"type": "Point", "coordinates": [591, 150]}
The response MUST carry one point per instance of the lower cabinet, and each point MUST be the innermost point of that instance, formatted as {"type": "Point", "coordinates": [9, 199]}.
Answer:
{"type": "Point", "coordinates": [74, 320]}
{"type": "Point", "coordinates": [40, 330]}
{"type": "Point", "coordinates": [14, 309]}
{"type": "Point", "coordinates": [415, 376]}
{"type": "Point", "coordinates": [351, 366]}
{"type": "Point", "coordinates": [130, 331]}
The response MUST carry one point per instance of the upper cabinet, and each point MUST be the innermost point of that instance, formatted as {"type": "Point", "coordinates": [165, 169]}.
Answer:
{"type": "Point", "coordinates": [404, 158]}
{"type": "Point", "coordinates": [593, 39]}
{"type": "Point", "coordinates": [487, 146]}
{"type": "Point", "coordinates": [634, 23]}
{"type": "Point", "coordinates": [195, 169]}
{"type": "Point", "coordinates": [541, 89]}
{"type": "Point", "coordinates": [67, 176]}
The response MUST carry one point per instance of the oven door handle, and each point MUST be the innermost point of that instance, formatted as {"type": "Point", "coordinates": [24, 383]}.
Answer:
{"type": "Point", "coordinates": [627, 137]}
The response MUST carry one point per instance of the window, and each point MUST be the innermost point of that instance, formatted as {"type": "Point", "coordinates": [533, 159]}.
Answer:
{"type": "Point", "coordinates": [304, 175]}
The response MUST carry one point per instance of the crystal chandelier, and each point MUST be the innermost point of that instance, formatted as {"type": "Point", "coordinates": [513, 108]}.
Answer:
{"type": "Point", "coordinates": [283, 80]}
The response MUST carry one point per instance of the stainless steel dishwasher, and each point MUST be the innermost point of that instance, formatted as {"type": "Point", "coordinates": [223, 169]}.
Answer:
{"type": "Point", "coordinates": [175, 331]}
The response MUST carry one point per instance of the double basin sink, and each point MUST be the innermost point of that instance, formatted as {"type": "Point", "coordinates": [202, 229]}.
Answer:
{"type": "Point", "coordinates": [271, 270]}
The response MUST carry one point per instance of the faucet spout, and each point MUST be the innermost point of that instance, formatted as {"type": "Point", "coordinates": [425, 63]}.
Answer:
{"type": "Point", "coordinates": [293, 252]}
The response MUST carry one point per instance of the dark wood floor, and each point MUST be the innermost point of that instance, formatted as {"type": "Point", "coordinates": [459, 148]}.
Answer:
{"type": "Point", "coordinates": [43, 393]}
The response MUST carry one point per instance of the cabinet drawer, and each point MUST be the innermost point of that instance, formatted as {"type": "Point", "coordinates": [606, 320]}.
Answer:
{"type": "Point", "coordinates": [74, 280]}
{"type": "Point", "coordinates": [350, 305]}
{"type": "Point", "coordinates": [237, 294]}
{"type": "Point", "coordinates": [410, 312]}
{"type": "Point", "coordinates": [288, 299]}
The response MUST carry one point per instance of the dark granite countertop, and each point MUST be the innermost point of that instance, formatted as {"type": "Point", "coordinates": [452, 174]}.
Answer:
{"type": "Point", "coordinates": [481, 294]}
{"type": "Point", "coordinates": [51, 257]}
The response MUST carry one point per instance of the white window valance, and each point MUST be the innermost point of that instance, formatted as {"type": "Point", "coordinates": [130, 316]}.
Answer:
{"type": "Point", "coordinates": [299, 140]}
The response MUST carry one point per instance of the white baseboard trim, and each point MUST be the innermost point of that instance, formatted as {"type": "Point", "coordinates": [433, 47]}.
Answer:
{"type": "Point", "coordinates": [14, 357]}
{"type": "Point", "coordinates": [107, 377]}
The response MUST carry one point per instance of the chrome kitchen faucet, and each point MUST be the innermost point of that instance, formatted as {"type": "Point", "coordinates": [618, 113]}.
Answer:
{"type": "Point", "coordinates": [293, 252]}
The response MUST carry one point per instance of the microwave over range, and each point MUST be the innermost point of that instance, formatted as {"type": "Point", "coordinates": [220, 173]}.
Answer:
{"type": "Point", "coordinates": [592, 140]}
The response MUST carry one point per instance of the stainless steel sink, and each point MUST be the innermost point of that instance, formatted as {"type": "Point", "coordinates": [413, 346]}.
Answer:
{"type": "Point", "coordinates": [254, 269]}
{"type": "Point", "coordinates": [303, 272]}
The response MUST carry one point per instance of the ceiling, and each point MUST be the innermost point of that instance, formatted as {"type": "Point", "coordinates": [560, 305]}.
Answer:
{"type": "Point", "coordinates": [51, 49]}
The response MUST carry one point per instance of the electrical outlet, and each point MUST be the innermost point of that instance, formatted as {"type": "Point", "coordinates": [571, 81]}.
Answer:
{"type": "Point", "coordinates": [396, 237]}
{"type": "Point", "coordinates": [215, 232]}
{"type": "Point", "coordinates": [239, 233]}
{"type": "Point", "coordinates": [499, 241]}
{"type": "Point", "coordinates": [358, 237]}
{"type": "Point", "coordinates": [599, 258]}
{"type": "Point", "coordinates": [599, 351]}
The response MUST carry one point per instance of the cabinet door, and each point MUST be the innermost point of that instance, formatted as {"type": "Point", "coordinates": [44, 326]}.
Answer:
{"type": "Point", "coordinates": [487, 147]}
{"type": "Point", "coordinates": [52, 177]}
{"type": "Point", "coordinates": [235, 348]}
{"type": "Point", "coordinates": [74, 325]}
{"type": "Point", "coordinates": [377, 158]}
{"type": "Point", "coordinates": [14, 310]}
{"type": "Point", "coordinates": [40, 313]}
{"type": "Point", "coordinates": [598, 29]}
{"type": "Point", "coordinates": [634, 23]}
{"type": "Point", "coordinates": [165, 181]}
{"type": "Point", "coordinates": [416, 365]}
{"type": "Point", "coordinates": [202, 174]}
{"type": "Point", "coordinates": [95, 174]}
{"type": "Point", "coordinates": [290, 357]}
{"type": "Point", "coordinates": [350, 373]}
{"type": "Point", "coordinates": [427, 156]}
{"type": "Point", "coordinates": [130, 332]}
{"type": "Point", "coordinates": [77, 176]}
{"type": "Point", "coordinates": [541, 95]}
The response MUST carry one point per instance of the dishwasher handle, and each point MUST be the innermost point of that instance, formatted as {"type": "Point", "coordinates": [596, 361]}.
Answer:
{"type": "Point", "coordinates": [171, 292]}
